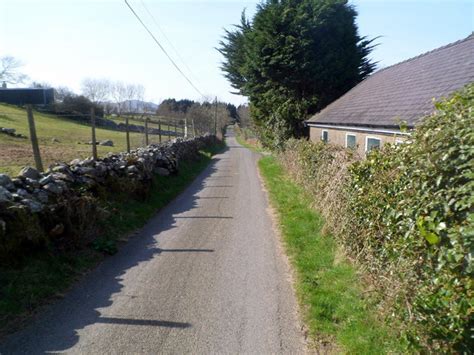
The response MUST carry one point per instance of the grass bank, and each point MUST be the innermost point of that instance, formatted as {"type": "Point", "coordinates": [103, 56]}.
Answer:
{"type": "Point", "coordinates": [338, 314]}
{"type": "Point", "coordinates": [43, 277]}
{"type": "Point", "coordinates": [58, 139]}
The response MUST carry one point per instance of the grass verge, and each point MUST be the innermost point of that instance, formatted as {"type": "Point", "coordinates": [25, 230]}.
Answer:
{"type": "Point", "coordinates": [329, 291]}
{"type": "Point", "coordinates": [43, 277]}
{"type": "Point", "coordinates": [250, 144]}
{"type": "Point", "coordinates": [244, 143]}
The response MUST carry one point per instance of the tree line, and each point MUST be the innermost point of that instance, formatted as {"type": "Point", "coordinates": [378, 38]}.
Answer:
{"type": "Point", "coordinates": [203, 117]}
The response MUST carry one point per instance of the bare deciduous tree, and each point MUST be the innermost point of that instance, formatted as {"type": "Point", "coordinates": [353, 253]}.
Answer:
{"type": "Point", "coordinates": [126, 96]}
{"type": "Point", "coordinates": [204, 117]}
{"type": "Point", "coordinates": [140, 96]}
{"type": "Point", "coordinates": [130, 92]}
{"type": "Point", "coordinates": [9, 70]}
{"type": "Point", "coordinates": [119, 95]}
{"type": "Point", "coordinates": [133, 94]}
{"type": "Point", "coordinates": [96, 90]}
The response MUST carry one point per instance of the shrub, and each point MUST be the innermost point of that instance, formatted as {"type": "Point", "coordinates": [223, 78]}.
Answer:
{"type": "Point", "coordinates": [323, 170]}
{"type": "Point", "coordinates": [245, 132]}
{"type": "Point", "coordinates": [405, 214]}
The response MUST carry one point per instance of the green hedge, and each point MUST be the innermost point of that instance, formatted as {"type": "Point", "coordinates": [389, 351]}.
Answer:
{"type": "Point", "coordinates": [405, 214]}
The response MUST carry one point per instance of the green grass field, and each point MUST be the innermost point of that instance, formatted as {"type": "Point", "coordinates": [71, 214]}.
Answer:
{"type": "Point", "coordinates": [340, 317]}
{"type": "Point", "coordinates": [16, 153]}
{"type": "Point", "coordinates": [138, 120]}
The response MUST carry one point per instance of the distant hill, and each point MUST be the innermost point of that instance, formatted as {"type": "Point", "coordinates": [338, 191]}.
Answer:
{"type": "Point", "coordinates": [141, 106]}
{"type": "Point", "coordinates": [136, 106]}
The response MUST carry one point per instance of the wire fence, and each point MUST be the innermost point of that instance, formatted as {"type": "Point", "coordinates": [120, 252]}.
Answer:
{"type": "Point", "coordinates": [41, 138]}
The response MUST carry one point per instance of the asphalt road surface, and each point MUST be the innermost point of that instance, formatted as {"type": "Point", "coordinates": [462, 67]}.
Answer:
{"type": "Point", "coordinates": [205, 275]}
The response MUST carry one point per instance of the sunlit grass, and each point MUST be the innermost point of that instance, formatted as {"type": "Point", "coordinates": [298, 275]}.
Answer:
{"type": "Point", "coordinates": [67, 134]}
{"type": "Point", "coordinates": [328, 287]}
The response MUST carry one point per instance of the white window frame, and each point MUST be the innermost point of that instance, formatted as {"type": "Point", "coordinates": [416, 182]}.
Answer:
{"type": "Point", "coordinates": [367, 142]}
{"type": "Point", "coordinates": [322, 135]}
{"type": "Point", "coordinates": [355, 136]}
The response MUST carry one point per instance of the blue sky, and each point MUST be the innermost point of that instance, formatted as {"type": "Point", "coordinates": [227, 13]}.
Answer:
{"type": "Point", "coordinates": [63, 42]}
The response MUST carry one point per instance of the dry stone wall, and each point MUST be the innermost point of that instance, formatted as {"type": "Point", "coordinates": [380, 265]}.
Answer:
{"type": "Point", "coordinates": [35, 206]}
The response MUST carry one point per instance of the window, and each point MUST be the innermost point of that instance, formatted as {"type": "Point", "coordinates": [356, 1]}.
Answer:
{"type": "Point", "coordinates": [325, 136]}
{"type": "Point", "coordinates": [371, 143]}
{"type": "Point", "coordinates": [351, 141]}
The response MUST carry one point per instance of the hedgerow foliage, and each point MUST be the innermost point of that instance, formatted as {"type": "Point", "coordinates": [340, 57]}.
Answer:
{"type": "Point", "coordinates": [405, 214]}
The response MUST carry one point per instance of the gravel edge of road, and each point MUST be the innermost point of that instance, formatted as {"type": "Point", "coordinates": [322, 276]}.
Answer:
{"type": "Point", "coordinates": [290, 273]}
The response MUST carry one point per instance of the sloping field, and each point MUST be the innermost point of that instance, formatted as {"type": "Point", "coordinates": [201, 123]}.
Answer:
{"type": "Point", "coordinates": [58, 138]}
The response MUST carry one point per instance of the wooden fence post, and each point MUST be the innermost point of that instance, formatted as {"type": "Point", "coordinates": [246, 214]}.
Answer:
{"type": "Point", "coordinates": [215, 122]}
{"type": "Point", "coordinates": [176, 129]}
{"type": "Point", "coordinates": [185, 131]}
{"type": "Point", "coordinates": [159, 130]}
{"type": "Point", "coordinates": [146, 131]}
{"type": "Point", "coordinates": [94, 141]}
{"type": "Point", "coordinates": [34, 139]}
{"type": "Point", "coordinates": [127, 134]}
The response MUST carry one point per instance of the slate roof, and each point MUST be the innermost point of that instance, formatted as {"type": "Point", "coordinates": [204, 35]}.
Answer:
{"type": "Point", "coordinates": [404, 91]}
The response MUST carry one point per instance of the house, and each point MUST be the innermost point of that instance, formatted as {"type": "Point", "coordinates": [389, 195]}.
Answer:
{"type": "Point", "coordinates": [370, 114]}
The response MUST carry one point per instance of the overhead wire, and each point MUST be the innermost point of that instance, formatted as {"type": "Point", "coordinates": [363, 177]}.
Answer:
{"type": "Point", "coordinates": [169, 41]}
{"type": "Point", "coordinates": [163, 49]}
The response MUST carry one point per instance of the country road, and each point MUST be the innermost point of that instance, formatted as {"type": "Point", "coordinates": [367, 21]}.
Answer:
{"type": "Point", "coordinates": [205, 275]}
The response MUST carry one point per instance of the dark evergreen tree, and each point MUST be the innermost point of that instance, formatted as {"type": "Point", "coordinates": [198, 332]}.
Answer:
{"type": "Point", "coordinates": [293, 59]}
{"type": "Point", "coordinates": [233, 50]}
{"type": "Point", "coordinates": [232, 110]}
